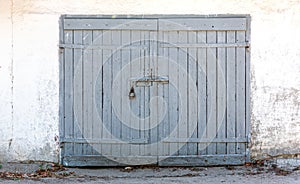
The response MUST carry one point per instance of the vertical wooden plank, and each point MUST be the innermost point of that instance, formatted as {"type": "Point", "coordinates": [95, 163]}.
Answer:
{"type": "Point", "coordinates": [116, 68]}
{"type": "Point", "coordinates": [192, 80]}
{"type": "Point", "coordinates": [167, 128]}
{"type": "Point", "coordinates": [78, 95]}
{"type": "Point", "coordinates": [240, 92]}
{"type": "Point", "coordinates": [163, 92]}
{"type": "Point", "coordinates": [107, 81]}
{"type": "Point", "coordinates": [142, 92]}
{"type": "Point", "coordinates": [153, 93]}
{"type": "Point", "coordinates": [166, 89]}
{"type": "Point", "coordinates": [247, 88]}
{"type": "Point", "coordinates": [87, 91]}
{"type": "Point", "coordinates": [221, 93]}
{"type": "Point", "coordinates": [135, 102]}
{"type": "Point", "coordinates": [125, 59]}
{"type": "Point", "coordinates": [211, 92]}
{"type": "Point", "coordinates": [160, 90]}
{"type": "Point", "coordinates": [183, 88]}
{"type": "Point", "coordinates": [201, 101]}
{"type": "Point", "coordinates": [147, 91]}
{"type": "Point", "coordinates": [231, 81]}
{"type": "Point", "coordinates": [69, 120]}
{"type": "Point", "coordinates": [173, 91]}
{"type": "Point", "coordinates": [61, 89]}
{"type": "Point", "coordinates": [131, 73]}
{"type": "Point", "coordinates": [97, 91]}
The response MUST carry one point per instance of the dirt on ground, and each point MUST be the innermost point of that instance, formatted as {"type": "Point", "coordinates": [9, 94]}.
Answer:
{"type": "Point", "coordinates": [260, 172]}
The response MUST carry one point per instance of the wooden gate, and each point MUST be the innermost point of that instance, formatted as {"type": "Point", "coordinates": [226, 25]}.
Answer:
{"type": "Point", "coordinates": [154, 90]}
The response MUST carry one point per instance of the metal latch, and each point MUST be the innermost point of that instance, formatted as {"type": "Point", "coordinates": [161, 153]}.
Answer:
{"type": "Point", "coordinates": [148, 80]}
{"type": "Point", "coordinates": [145, 82]}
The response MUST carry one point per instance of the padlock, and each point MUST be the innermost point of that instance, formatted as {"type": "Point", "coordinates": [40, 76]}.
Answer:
{"type": "Point", "coordinates": [131, 93]}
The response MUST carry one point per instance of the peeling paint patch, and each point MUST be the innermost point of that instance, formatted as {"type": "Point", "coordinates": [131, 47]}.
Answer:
{"type": "Point", "coordinates": [276, 121]}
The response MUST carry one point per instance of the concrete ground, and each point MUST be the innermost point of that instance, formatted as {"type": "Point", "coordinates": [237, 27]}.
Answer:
{"type": "Point", "coordinates": [49, 173]}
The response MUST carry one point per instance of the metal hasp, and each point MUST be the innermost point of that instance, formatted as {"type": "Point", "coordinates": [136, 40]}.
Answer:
{"type": "Point", "coordinates": [148, 80]}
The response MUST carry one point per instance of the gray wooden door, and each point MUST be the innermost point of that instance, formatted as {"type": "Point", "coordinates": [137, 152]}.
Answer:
{"type": "Point", "coordinates": [154, 90]}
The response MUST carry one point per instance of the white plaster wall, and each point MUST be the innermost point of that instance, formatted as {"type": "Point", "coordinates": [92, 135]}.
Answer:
{"type": "Point", "coordinates": [6, 127]}
{"type": "Point", "coordinates": [32, 123]}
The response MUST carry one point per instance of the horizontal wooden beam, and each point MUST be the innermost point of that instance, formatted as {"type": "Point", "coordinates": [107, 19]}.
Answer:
{"type": "Point", "coordinates": [204, 45]}
{"type": "Point", "coordinates": [100, 160]}
{"type": "Point", "coordinates": [110, 24]}
{"type": "Point", "coordinates": [202, 160]}
{"type": "Point", "coordinates": [205, 140]}
{"type": "Point", "coordinates": [103, 141]}
{"type": "Point", "coordinates": [107, 47]}
{"type": "Point", "coordinates": [153, 16]}
{"type": "Point", "coordinates": [145, 141]}
{"type": "Point", "coordinates": [188, 160]}
{"type": "Point", "coordinates": [203, 24]}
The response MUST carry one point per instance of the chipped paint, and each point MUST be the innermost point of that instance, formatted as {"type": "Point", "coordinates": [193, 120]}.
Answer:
{"type": "Point", "coordinates": [276, 123]}
{"type": "Point", "coordinates": [29, 85]}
